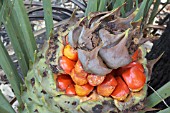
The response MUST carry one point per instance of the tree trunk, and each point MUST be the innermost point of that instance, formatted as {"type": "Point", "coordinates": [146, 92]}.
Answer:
{"type": "Point", "coordinates": [161, 70]}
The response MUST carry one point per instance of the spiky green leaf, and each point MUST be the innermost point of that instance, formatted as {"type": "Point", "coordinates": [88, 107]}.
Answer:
{"type": "Point", "coordinates": [12, 27]}
{"type": "Point", "coordinates": [141, 10]}
{"type": "Point", "coordinates": [129, 5]}
{"type": "Point", "coordinates": [119, 3]}
{"type": "Point", "coordinates": [103, 5]}
{"type": "Point", "coordinates": [167, 110]}
{"type": "Point", "coordinates": [5, 107]}
{"type": "Point", "coordinates": [154, 11]}
{"type": "Point", "coordinates": [11, 71]}
{"type": "Point", "coordinates": [25, 27]}
{"type": "Point", "coordinates": [92, 6]}
{"type": "Point", "coordinates": [147, 7]}
{"type": "Point", "coordinates": [48, 18]}
{"type": "Point", "coordinates": [154, 98]}
{"type": "Point", "coordinates": [2, 10]}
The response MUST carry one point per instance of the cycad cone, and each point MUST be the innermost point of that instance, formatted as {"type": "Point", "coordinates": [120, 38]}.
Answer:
{"type": "Point", "coordinates": [40, 93]}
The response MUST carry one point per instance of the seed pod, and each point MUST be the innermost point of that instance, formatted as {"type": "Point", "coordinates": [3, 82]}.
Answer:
{"type": "Point", "coordinates": [70, 53]}
{"type": "Point", "coordinates": [79, 69]}
{"type": "Point", "coordinates": [66, 64]}
{"type": "Point", "coordinates": [132, 64]}
{"type": "Point", "coordinates": [95, 80]}
{"type": "Point", "coordinates": [108, 85]}
{"type": "Point", "coordinates": [135, 55]}
{"type": "Point", "coordinates": [64, 81]}
{"type": "Point", "coordinates": [70, 90]}
{"type": "Point", "coordinates": [121, 91]}
{"type": "Point", "coordinates": [83, 90]}
{"type": "Point", "coordinates": [79, 80]}
{"type": "Point", "coordinates": [134, 78]}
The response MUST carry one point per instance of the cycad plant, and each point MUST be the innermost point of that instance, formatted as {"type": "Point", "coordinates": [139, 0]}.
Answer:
{"type": "Point", "coordinates": [94, 64]}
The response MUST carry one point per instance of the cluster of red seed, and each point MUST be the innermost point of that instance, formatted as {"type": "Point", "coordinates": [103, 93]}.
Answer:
{"type": "Point", "coordinates": [116, 84]}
